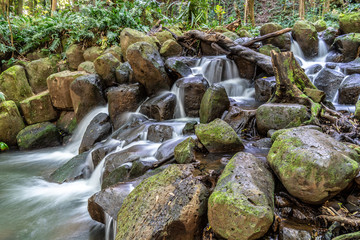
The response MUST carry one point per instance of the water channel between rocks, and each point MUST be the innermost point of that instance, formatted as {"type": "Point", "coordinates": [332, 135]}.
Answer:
{"type": "Point", "coordinates": [33, 208]}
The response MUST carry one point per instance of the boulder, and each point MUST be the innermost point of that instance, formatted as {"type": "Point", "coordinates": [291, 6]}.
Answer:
{"type": "Point", "coordinates": [14, 84]}
{"type": "Point", "coordinates": [174, 202]}
{"type": "Point", "coordinates": [38, 108]}
{"type": "Point", "coordinates": [166, 149]}
{"type": "Point", "coordinates": [11, 122]}
{"type": "Point", "coordinates": [67, 122]}
{"type": "Point", "coordinates": [214, 103]}
{"type": "Point", "coordinates": [75, 56]}
{"type": "Point", "coordinates": [329, 81]}
{"type": "Point", "coordinates": [288, 232]}
{"type": "Point", "coordinates": [124, 98]}
{"type": "Point", "coordinates": [264, 88]}
{"type": "Point", "coordinates": [266, 49]}
{"type": "Point", "coordinates": [39, 135]}
{"type": "Point", "coordinates": [189, 128]}
{"type": "Point", "coordinates": [130, 36]}
{"type": "Point", "coordinates": [160, 108]}
{"type": "Point", "coordinates": [92, 53]}
{"type": "Point", "coordinates": [59, 88]}
{"type": "Point", "coordinates": [349, 22]}
{"type": "Point", "coordinates": [246, 68]}
{"type": "Point", "coordinates": [243, 33]}
{"type": "Point", "coordinates": [37, 54]}
{"type": "Point", "coordinates": [148, 67]}
{"type": "Point", "coordinates": [329, 35]}
{"type": "Point", "coordinates": [350, 67]}
{"type": "Point", "coordinates": [105, 66]}
{"type": "Point", "coordinates": [233, 36]}
{"type": "Point", "coordinates": [131, 128]}
{"type": "Point", "coordinates": [347, 45]}
{"type": "Point", "coordinates": [177, 68]}
{"type": "Point", "coordinates": [237, 117]}
{"type": "Point", "coordinates": [311, 165]}
{"type": "Point", "coordinates": [74, 169]}
{"type": "Point", "coordinates": [218, 136]}
{"type": "Point", "coordinates": [279, 116]}
{"type": "Point", "coordinates": [159, 133]}
{"type": "Point", "coordinates": [349, 90]}
{"type": "Point", "coordinates": [86, 94]}
{"type": "Point", "coordinates": [313, 69]}
{"type": "Point", "coordinates": [242, 204]}
{"type": "Point", "coordinates": [98, 129]}
{"type": "Point", "coordinates": [170, 48]}
{"type": "Point", "coordinates": [39, 70]}
{"type": "Point", "coordinates": [88, 67]}
{"type": "Point", "coordinates": [116, 52]}
{"type": "Point", "coordinates": [163, 36]}
{"type": "Point", "coordinates": [124, 74]}
{"type": "Point", "coordinates": [357, 110]}
{"type": "Point", "coordinates": [184, 152]}
{"type": "Point", "coordinates": [283, 41]}
{"type": "Point", "coordinates": [193, 89]}
{"type": "Point", "coordinates": [320, 25]}
{"type": "Point", "coordinates": [306, 35]}
{"type": "Point", "coordinates": [99, 153]}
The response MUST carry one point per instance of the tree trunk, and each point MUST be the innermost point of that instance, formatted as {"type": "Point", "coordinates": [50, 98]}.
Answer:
{"type": "Point", "coordinates": [251, 12]}
{"type": "Point", "coordinates": [302, 9]}
{"type": "Point", "coordinates": [53, 6]}
{"type": "Point", "coordinates": [19, 10]}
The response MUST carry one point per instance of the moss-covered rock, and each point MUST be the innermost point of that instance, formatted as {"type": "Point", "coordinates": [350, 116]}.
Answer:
{"type": "Point", "coordinates": [177, 68]}
{"type": "Point", "coordinates": [233, 36]}
{"type": "Point", "coordinates": [357, 110]}
{"type": "Point", "coordinates": [278, 116]}
{"type": "Point", "coordinates": [174, 202]}
{"type": "Point", "coordinates": [243, 33]}
{"type": "Point", "coordinates": [218, 136]}
{"type": "Point", "coordinates": [39, 70]}
{"type": "Point", "coordinates": [170, 48]}
{"type": "Point", "coordinates": [38, 108]}
{"type": "Point", "coordinates": [88, 67]}
{"type": "Point", "coordinates": [116, 52]}
{"type": "Point", "coordinates": [320, 25]}
{"type": "Point", "coordinates": [214, 103]}
{"type": "Point", "coordinates": [184, 151]}
{"type": "Point", "coordinates": [105, 66]}
{"type": "Point", "coordinates": [92, 53]}
{"type": "Point", "coordinates": [39, 135]}
{"type": "Point", "coordinates": [283, 41]}
{"type": "Point", "coordinates": [125, 74]}
{"type": "Point", "coordinates": [67, 122]}
{"type": "Point", "coordinates": [164, 36]}
{"type": "Point", "coordinates": [306, 35]}
{"type": "Point", "coordinates": [312, 165]}
{"type": "Point", "coordinates": [350, 22]}
{"type": "Point", "coordinates": [347, 45]}
{"type": "Point", "coordinates": [75, 56]}
{"type": "Point", "coordinates": [14, 84]}
{"type": "Point", "coordinates": [242, 204]}
{"type": "Point", "coordinates": [11, 122]}
{"type": "Point", "coordinates": [266, 49]}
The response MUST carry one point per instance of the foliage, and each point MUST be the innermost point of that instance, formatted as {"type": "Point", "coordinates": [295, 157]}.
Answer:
{"type": "Point", "coordinates": [3, 146]}
{"type": "Point", "coordinates": [2, 97]}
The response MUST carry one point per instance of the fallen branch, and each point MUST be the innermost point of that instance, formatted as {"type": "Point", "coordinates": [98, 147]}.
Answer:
{"type": "Point", "coordinates": [345, 220]}
{"type": "Point", "coordinates": [354, 235]}
{"type": "Point", "coordinates": [156, 28]}
{"type": "Point", "coordinates": [266, 36]}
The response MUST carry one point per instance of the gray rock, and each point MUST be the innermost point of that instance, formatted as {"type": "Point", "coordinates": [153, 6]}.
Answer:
{"type": "Point", "coordinates": [74, 55]}
{"type": "Point", "coordinates": [159, 133]}
{"type": "Point", "coordinates": [160, 108]}
{"type": "Point", "coordinates": [347, 45]}
{"type": "Point", "coordinates": [349, 90]}
{"type": "Point", "coordinates": [124, 74]}
{"type": "Point", "coordinates": [177, 68]}
{"type": "Point", "coordinates": [329, 81]}
{"type": "Point", "coordinates": [166, 149]}
{"type": "Point", "coordinates": [264, 88]}
{"type": "Point", "coordinates": [105, 66]}
{"type": "Point", "coordinates": [306, 36]}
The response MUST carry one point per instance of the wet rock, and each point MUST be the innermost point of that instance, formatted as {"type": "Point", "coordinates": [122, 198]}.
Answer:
{"type": "Point", "coordinates": [160, 108]}
{"type": "Point", "coordinates": [11, 122]}
{"type": "Point", "coordinates": [173, 199]}
{"type": "Point", "coordinates": [132, 129]}
{"type": "Point", "coordinates": [329, 35]}
{"type": "Point", "coordinates": [329, 81]}
{"type": "Point", "coordinates": [350, 22]}
{"type": "Point", "coordinates": [164, 36]}
{"type": "Point", "coordinates": [236, 117]}
{"type": "Point", "coordinates": [67, 122]}
{"type": "Point", "coordinates": [148, 67]}
{"type": "Point", "coordinates": [184, 152]}
{"type": "Point", "coordinates": [349, 90]}
{"type": "Point", "coordinates": [218, 136]}
{"type": "Point", "coordinates": [105, 66]}
{"type": "Point", "coordinates": [177, 68]}
{"type": "Point", "coordinates": [193, 89]}
{"type": "Point", "coordinates": [263, 143]}
{"type": "Point", "coordinates": [347, 45]}
{"type": "Point", "coordinates": [334, 56]}
{"type": "Point", "coordinates": [124, 74]}
{"type": "Point", "coordinates": [282, 41]}
{"type": "Point", "coordinates": [86, 94]}
{"type": "Point", "coordinates": [59, 88]}
{"type": "Point", "coordinates": [92, 53]}
{"type": "Point", "coordinates": [124, 98]}
{"type": "Point", "coordinates": [159, 133]}
{"type": "Point", "coordinates": [166, 149]}
{"type": "Point", "coordinates": [75, 168]}
{"type": "Point", "coordinates": [38, 108]}
{"type": "Point", "coordinates": [74, 56]}
{"type": "Point", "coordinates": [312, 165]}
{"type": "Point", "coordinates": [246, 68]}
{"type": "Point", "coordinates": [39, 135]}
{"type": "Point", "coordinates": [289, 233]}
{"type": "Point", "coordinates": [100, 152]}
{"type": "Point", "coordinates": [98, 129]}
{"type": "Point", "coordinates": [88, 67]}
{"type": "Point", "coordinates": [313, 69]}
{"type": "Point", "coordinates": [266, 49]}
{"type": "Point", "coordinates": [189, 128]}
{"type": "Point", "coordinates": [39, 70]}
{"type": "Point", "coordinates": [306, 36]}
{"type": "Point", "coordinates": [280, 115]}
{"type": "Point", "coordinates": [116, 52]}
{"type": "Point", "coordinates": [264, 88]}
{"type": "Point", "coordinates": [170, 48]}
{"type": "Point", "coordinates": [214, 103]}
{"type": "Point", "coordinates": [242, 204]}
{"type": "Point", "coordinates": [14, 84]}
{"type": "Point", "coordinates": [350, 67]}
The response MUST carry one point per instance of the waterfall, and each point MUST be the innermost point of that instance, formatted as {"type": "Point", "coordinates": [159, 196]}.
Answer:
{"type": "Point", "coordinates": [110, 227]}
{"type": "Point", "coordinates": [296, 49]}
{"type": "Point", "coordinates": [323, 49]}
{"type": "Point", "coordinates": [180, 95]}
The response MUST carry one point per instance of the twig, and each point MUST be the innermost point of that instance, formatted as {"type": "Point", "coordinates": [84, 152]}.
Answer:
{"type": "Point", "coordinates": [266, 36]}
{"type": "Point", "coordinates": [354, 235]}
{"type": "Point", "coordinates": [345, 220]}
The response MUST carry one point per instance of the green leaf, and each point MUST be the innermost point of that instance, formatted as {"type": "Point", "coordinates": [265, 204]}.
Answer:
{"type": "Point", "coordinates": [3, 146]}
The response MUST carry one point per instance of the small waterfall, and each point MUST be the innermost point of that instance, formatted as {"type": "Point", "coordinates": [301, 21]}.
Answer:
{"type": "Point", "coordinates": [110, 227]}
{"type": "Point", "coordinates": [323, 49]}
{"type": "Point", "coordinates": [180, 95]}
{"type": "Point", "coordinates": [296, 49]}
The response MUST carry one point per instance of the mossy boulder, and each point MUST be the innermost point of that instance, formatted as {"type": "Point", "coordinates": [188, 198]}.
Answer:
{"type": "Point", "coordinates": [184, 152]}
{"type": "Point", "coordinates": [39, 135]}
{"type": "Point", "coordinates": [170, 48]}
{"type": "Point", "coordinates": [266, 49]}
{"type": "Point", "coordinates": [14, 84]}
{"type": "Point", "coordinates": [214, 103]}
{"type": "Point", "coordinates": [11, 122]}
{"type": "Point", "coordinates": [350, 22]}
{"type": "Point", "coordinates": [59, 88]}
{"type": "Point", "coordinates": [164, 36]}
{"type": "Point", "coordinates": [92, 53]}
{"type": "Point", "coordinates": [67, 122]}
{"type": "Point", "coordinates": [39, 70]}
{"type": "Point", "coordinates": [283, 41]}
{"type": "Point", "coordinates": [242, 204]}
{"type": "Point", "coordinates": [75, 56]}
{"type": "Point", "coordinates": [177, 68]}
{"type": "Point", "coordinates": [116, 52]}
{"type": "Point", "coordinates": [243, 33]}
{"type": "Point", "coordinates": [105, 66]}
{"type": "Point", "coordinates": [125, 74]}
{"type": "Point", "coordinates": [312, 165]}
{"type": "Point", "coordinates": [38, 108]}
{"type": "Point", "coordinates": [306, 36]}
{"type": "Point", "coordinates": [88, 67]}
{"type": "Point", "coordinates": [148, 67]}
{"type": "Point", "coordinates": [233, 36]}
{"type": "Point", "coordinates": [320, 25]}
{"type": "Point", "coordinates": [130, 36]}
{"type": "Point", "coordinates": [218, 136]}
{"type": "Point", "coordinates": [174, 202]}
{"type": "Point", "coordinates": [347, 45]}
{"type": "Point", "coordinates": [280, 115]}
